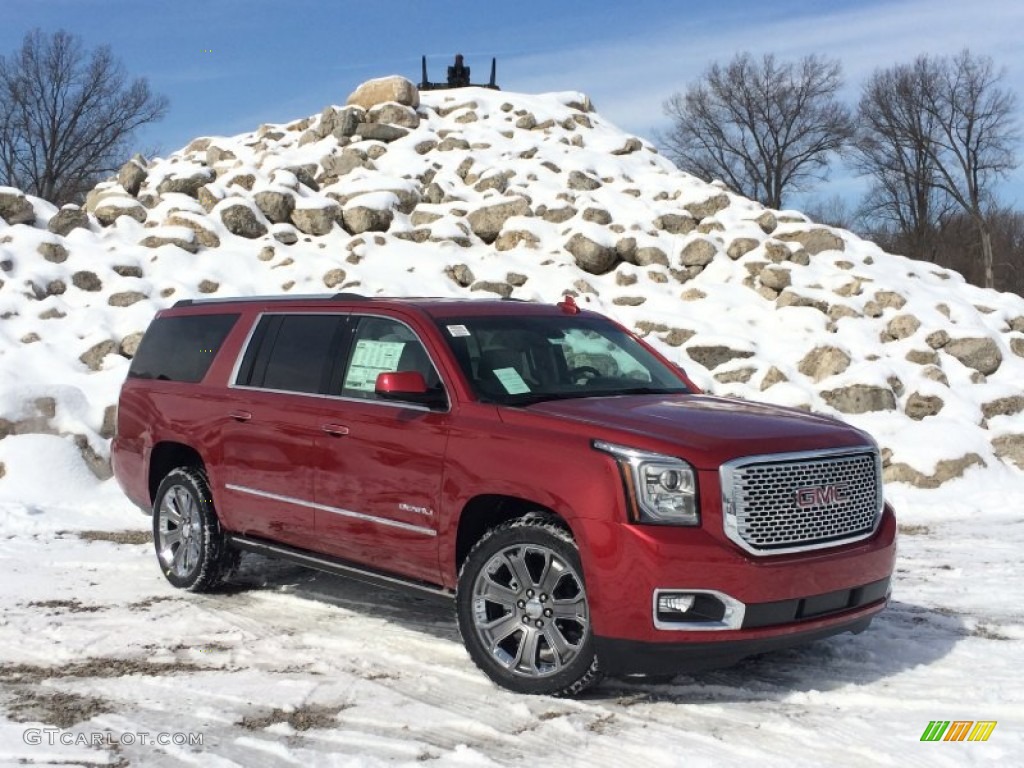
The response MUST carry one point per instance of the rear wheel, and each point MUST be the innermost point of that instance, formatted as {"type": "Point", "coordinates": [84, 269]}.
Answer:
{"type": "Point", "coordinates": [189, 544]}
{"type": "Point", "coordinates": [523, 610]}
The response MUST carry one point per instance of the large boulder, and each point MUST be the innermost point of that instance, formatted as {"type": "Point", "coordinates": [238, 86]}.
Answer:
{"type": "Point", "coordinates": [276, 204]}
{"type": "Point", "coordinates": [713, 355]}
{"type": "Point", "coordinates": [362, 218]}
{"type": "Point", "coordinates": [945, 470]}
{"type": "Point", "coordinates": [15, 208]}
{"type": "Point", "coordinates": [591, 256]}
{"type": "Point", "coordinates": [186, 185]}
{"type": "Point", "coordinates": [198, 224]}
{"type": "Point", "coordinates": [112, 208]}
{"type": "Point", "coordinates": [385, 89]}
{"type": "Point", "coordinates": [316, 221]}
{"type": "Point", "coordinates": [66, 219]}
{"type": "Point", "coordinates": [131, 176]}
{"type": "Point", "coordinates": [860, 398]}
{"type": "Point", "coordinates": [394, 114]}
{"type": "Point", "coordinates": [981, 354]}
{"type": "Point", "coordinates": [822, 362]}
{"type": "Point", "coordinates": [698, 253]}
{"type": "Point", "coordinates": [814, 241]}
{"type": "Point", "coordinates": [708, 207]}
{"type": "Point", "coordinates": [240, 219]}
{"type": "Point", "coordinates": [182, 237]}
{"type": "Point", "coordinates": [487, 222]}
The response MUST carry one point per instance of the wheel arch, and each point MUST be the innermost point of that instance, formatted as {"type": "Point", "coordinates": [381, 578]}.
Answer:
{"type": "Point", "coordinates": [486, 511]}
{"type": "Point", "coordinates": [168, 455]}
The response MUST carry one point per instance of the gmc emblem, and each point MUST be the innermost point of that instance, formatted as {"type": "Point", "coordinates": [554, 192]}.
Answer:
{"type": "Point", "coordinates": [823, 494]}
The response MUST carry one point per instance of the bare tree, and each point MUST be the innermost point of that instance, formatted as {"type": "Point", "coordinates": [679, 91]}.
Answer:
{"type": "Point", "coordinates": [937, 135]}
{"type": "Point", "coordinates": [764, 127]}
{"type": "Point", "coordinates": [67, 117]}
{"type": "Point", "coordinates": [893, 146]}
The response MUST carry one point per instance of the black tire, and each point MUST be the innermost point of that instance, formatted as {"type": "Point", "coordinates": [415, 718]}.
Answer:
{"type": "Point", "coordinates": [190, 547]}
{"type": "Point", "coordinates": [523, 611]}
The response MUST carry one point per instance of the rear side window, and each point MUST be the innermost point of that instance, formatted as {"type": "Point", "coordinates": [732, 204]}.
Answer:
{"type": "Point", "coordinates": [292, 353]}
{"type": "Point", "coordinates": [180, 348]}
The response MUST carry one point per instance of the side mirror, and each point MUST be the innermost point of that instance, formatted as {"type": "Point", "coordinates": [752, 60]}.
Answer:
{"type": "Point", "coordinates": [409, 387]}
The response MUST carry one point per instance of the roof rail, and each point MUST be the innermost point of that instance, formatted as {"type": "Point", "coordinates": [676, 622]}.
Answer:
{"type": "Point", "coordinates": [276, 297]}
{"type": "Point", "coordinates": [348, 296]}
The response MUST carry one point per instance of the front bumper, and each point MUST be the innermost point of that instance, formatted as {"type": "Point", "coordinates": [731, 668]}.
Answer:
{"type": "Point", "coordinates": [631, 657]}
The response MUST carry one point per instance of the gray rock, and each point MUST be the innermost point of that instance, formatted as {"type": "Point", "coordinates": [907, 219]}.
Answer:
{"type": "Point", "coordinates": [316, 221]}
{"type": "Point", "coordinates": [591, 256]}
{"type": "Point", "coordinates": [890, 300]}
{"type": "Point", "coordinates": [185, 243]}
{"type": "Point", "coordinates": [125, 298]}
{"type": "Point", "coordinates": [645, 257]}
{"type": "Point", "coordinates": [625, 248]}
{"type": "Point", "coordinates": [632, 145]}
{"type": "Point", "coordinates": [923, 356]}
{"type": "Point", "coordinates": [205, 237]}
{"type": "Point", "coordinates": [822, 362]}
{"type": "Point", "coordinates": [385, 89]}
{"type": "Point", "coordinates": [93, 357]}
{"type": "Point", "coordinates": [767, 222]}
{"type": "Point", "coordinates": [55, 288]}
{"type": "Point", "coordinates": [741, 246]}
{"type": "Point", "coordinates": [460, 274]}
{"type": "Point", "coordinates": [901, 327]}
{"type": "Point", "coordinates": [559, 215]}
{"type": "Point", "coordinates": [334, 277]}
{"type": "Point", "coordinates": [276, 205]}
{"type": "Point", "coordinates": [526, 122]}
{"type": "Point", "coordinates": [394, 114]}
{"type": "Point", "coordinates": [981, 354]}
{"type": "Point", "coordinates": [736, 376]}
{"type": "Point", "coordinates": [215, 154]}
{"type": "Point", "coordinates": [1017, 347]}
{"type": "Point", "coordinates": [53, 252]}
{"type": "Point", "coordinates": [346, 162]}
{"type": "Point", "coordinates": [1004, 406]}
{"type": "Point", "coordinates": [66, 219]}
{"type": "Point", "coordinates": [130, 344]}
{"type": "Point", "coordinates": [629, 301]}
{"type": "Point", "coordinates": [186, 185]}
{"type": "Point", "coordinates": [15, 208]}
{"type": "Point", "coordinates": [790, 298]}
{"type": "Point", "coordinates": [208, 286]}
{"type": "Point", "coordinates": [359, 219]}
{"type": "Point", "coordinates": [452, 143]}
{"type": "Point", "coordinates": [1010, 448]}
{"type": "Point", "coordinates": [675, 223]}
{"type": "Point", "coordinates": [109, 427]}
{"type": "Point", "coordinates": [502, 289]}
{"type": "Point", "coordinates": [241, 220]}
{"type": "Point", "coordinates": [597, 215]}
{"type": "Point", "coordinates": [814, 241]}
{"type": "Point", "coordinates": [946, 470]}
{"type": "Point", "coordinates": [487, 222]}
{"type": "Point", "coordinates": [776, 278]}
{"type": "Point", "coordinates": [381, 132]}
{"type": "Point", "coordinates": [712, 356]}
{"type": "Point", "coordinates": [108, 211]}
{"type": "Point", "coordinates": [286, 236]}
{"type": "Point", "coordinates": [515, 279]}
{"type": "Point", "coordinates": [773, 377]}
{"type": "Point", "coordinates": [709, 207]}
{"type": "Point", "coordinates": [131, 175]}
{"type": "Point", "coordinates": [580, 181]}
{"type": "Point", "coordinates": [698, 253]}
{"type": "Point", "coordinates": [86, 281]}
{"type": "Point", "coordinates": [860, 398]}
{"type": "Point", "coordinates": [513, 238]}
{"type": "Point", "coordinates": [922, 406]}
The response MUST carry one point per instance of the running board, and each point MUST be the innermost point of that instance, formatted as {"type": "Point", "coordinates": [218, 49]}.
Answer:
{"type": "Point", "coordinates": [333, 565]}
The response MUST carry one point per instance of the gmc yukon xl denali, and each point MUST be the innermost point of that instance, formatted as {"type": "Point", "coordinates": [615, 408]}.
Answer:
{"type": "Point", "coordinates": [590, 511]}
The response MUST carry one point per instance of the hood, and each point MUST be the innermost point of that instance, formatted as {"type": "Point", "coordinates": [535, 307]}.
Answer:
{"type": "Point", "coordinates": [706, 430]}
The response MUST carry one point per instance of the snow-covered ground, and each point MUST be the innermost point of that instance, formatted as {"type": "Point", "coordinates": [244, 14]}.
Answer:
{"type": "Point", "coordinates": [293, 668]}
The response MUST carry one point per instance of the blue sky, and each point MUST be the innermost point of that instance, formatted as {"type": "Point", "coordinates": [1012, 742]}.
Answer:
{"type": "Point", "coordinates": [229, 65]}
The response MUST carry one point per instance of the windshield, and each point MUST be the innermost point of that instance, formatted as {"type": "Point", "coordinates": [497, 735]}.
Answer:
{"type": "Point", "coordinates": [519, 360]}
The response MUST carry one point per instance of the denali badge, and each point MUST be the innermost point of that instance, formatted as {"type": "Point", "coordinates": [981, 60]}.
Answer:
{"type": "Point", "coordinates": [823, 494]}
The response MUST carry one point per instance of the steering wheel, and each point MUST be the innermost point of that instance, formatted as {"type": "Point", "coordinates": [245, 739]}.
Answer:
{"type": "Point", "coordinates": [581, 370]}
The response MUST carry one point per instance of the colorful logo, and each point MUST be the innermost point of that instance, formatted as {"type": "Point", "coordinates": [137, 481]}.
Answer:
{"type": "Point", "coordinates": [958, 730]}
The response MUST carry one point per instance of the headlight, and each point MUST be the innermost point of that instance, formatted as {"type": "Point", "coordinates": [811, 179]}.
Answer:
{"type": "Point", "coordinates": [660, 490]}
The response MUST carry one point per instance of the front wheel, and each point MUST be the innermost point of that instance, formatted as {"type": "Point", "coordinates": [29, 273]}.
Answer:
{"type": "Point", "coordinates": [189, 544]}
{"type": "Point", "coordinates": [523, 611]}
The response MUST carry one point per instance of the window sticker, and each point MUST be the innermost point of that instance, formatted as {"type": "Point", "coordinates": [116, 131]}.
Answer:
{"type": "Point", "coordinates": [369, 359]}
{"type": "Point", "coordinates": [511, 381]}
{"type": "Point", "coordinates": [458, 331]}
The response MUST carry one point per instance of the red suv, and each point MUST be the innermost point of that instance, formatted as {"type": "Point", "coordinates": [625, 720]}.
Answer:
{"type": "Point", "coordinates": [590, 511]}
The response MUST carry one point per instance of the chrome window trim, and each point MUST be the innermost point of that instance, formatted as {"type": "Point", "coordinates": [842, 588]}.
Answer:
{"type": "Point", "coordinates": [334, 510]}
{"type": "Point", "coordinates": [726, 475]}
{"type": "Point", "coordinates": [232, 381]}
{"type": "Point", "coordinates": [733, 619]}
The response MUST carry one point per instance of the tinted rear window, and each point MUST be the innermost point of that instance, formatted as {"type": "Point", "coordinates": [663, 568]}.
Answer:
{"type": "Point", "coordinates": [180, 348]}
{"type": "Point", "coordinates": [292, 353]}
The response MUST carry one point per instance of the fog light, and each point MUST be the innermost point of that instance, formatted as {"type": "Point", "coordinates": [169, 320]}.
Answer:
{"type": "Point", "coordinates": [675, 603]}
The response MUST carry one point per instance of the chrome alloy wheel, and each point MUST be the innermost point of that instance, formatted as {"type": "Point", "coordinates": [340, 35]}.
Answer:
{"type": "Point", "coordinates": [179, 532]}
{"type": "Point", "coordinates": [530, 610]}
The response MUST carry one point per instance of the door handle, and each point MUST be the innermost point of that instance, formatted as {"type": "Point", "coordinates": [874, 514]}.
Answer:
{"type": "Point", "coordinates": [240, 415]}
{"type": "Point", "coordinates": [337, 430]}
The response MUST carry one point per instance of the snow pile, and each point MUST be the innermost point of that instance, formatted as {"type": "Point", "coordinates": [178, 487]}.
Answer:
{"type": "Point", "coordinates": [480, 193]}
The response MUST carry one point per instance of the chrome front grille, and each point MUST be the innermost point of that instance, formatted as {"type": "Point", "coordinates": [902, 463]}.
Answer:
{"type": "Point", "coordinates": [800, 501]}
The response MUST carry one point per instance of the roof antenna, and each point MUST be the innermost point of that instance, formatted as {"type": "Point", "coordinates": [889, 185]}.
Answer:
{"type": "Point", "coordinates": [568, 305]}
